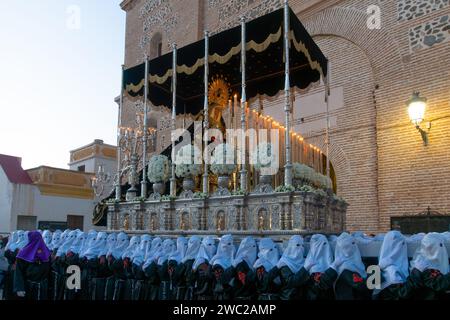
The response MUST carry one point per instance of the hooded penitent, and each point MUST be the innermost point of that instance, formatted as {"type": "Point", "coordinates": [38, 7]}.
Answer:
{"type": "Point", "coordinates": [268, 255]}
{"type": "Point", "coordinates": [56, 240]}
{"type": "Point", "coordinates": [65, 234]}
{"type": "Point", "coordinates": [225, 252]}
{"type": "Point", "coordinates": [120, 247]}
{"type": "Point", "coordinates": [206, 252]}
{"type": "Point", "coordinates": [110, 243]}
{"type": "Point", "coordinates": [293, 255]}
{"type": "Point", "coordinates": [35, 250]}
{"type": "Point", "coordinates": [247, 252]}
{"type": "Point", "coordinates": [192, 248]}
{"type": "Point", "coordinates": [153, 253]}
{"type": "Point", "coordinates": [133, 245]}
{"type": "Point", "coordinates": [47, 236]}
{"type": "Point", "coordinates": [320, 256]}
{"type": "Point", "coordinates": [69, 240]}
{"type": "Point", "coordinates": [347, 256]}
{"type": "Point", "coordinates": [393, 259]}
{"type": "Point", "coordinates": [178, 255]}
{"type": "Point", "coordinates": [168, 248]}
{"type": "Point", "coordinates": [22, 240]}
{"type": "Point", "coordinates": [96, 247]}
{"type": "Point", "coordinates": [415, 237]}
{"type": "Point", "coordinates": [432, 254]}
{"type": "Point", "coordinates": [139, 255]}
{"type": "Point", "coordinates": [77, 245]}
{"type": "Point", "coordinates": [13, 238]}
{"type": "Point", "coordinates": [89, 242]}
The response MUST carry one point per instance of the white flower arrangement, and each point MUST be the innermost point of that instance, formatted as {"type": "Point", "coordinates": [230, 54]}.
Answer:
{"type": "Point", "coordinates": [264, 158]}
{"type": "Point", "coordinates": [223, 160]}
{"type": "Point", "coordinates": [159, 169]}
{"type": "Point", "coordinates": [322, 181]}
{"type": "Point", "coordinates": [302, 171]}
{"type": "Point", "coordinates": [188, 162]}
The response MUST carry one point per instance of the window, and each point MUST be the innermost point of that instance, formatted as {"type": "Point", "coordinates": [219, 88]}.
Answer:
{"type": "Point", "coordinates": [156, 46]}
{"type": "Point", "coordinates": [82, 168]}
{"type": "Point", "coordinates": [75, 222]}
{"type": "Point", "coordinates": [27, 223]}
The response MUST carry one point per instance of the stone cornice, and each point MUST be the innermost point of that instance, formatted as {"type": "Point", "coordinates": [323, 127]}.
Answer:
{"type": "Point", "coordinates": [127, 4]}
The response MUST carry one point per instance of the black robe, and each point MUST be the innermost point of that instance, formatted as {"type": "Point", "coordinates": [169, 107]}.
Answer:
{"type": "Point", "coordinates": [402, 291]}
{"type": "Point", "coordinates": [293, 285]}
{"type": "Point", "coordinates": [187, 279]}
{"type": "Point", "coordinates": [99, 277]}
{"type": "Point", "coordinates": [140, 283]}
{"type": "Point", "coordinates": [268, 284]}
{"type": "Point", "coordinates": [73, 259]}
{"type": "Point", "coordinates": [204, 282]}
{"type": "Point", "coordinates": [8, 293]}
{"type": "Point", "coordinates": [129, 283]}
{"type": "Point", "coordinates": [243, 281]}
{"type": "Point", "coordinates": [320, 286]}
{"type": "Point", "coordinates": [152, 275]}
{"type": "Point", "coordinates": [222, 289]}
{"type": "Point", "coordinates": [116, 282]}
{"type": "Point", "coordinates": [348, 285]}
{"type": "Point", "coordinates": [427, 285]}
{"type": "Point", "coordinates": [57, 277]}
{"type": "Point", "coordinates": [32, 278]}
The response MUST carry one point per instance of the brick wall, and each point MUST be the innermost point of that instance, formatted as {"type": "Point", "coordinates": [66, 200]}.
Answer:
{"type": "Point", "coordinates": [382, 167]}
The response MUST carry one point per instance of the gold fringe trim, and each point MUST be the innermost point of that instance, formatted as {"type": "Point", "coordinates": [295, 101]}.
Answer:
{"type": "Point", "coordinates": [300, 47]}
{"type": "Point", "coordinates": [214, 58]}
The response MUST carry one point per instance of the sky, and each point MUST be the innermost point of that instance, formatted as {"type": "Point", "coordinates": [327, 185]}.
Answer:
{"type": "Point", "coordinates": [60, 65]}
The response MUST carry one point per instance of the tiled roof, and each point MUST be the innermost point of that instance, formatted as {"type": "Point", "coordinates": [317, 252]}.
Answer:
{"type": "Point", "coordinates": [13, 169]}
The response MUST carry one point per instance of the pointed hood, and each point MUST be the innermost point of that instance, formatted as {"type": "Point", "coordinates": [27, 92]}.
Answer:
{"type": "Point", "coordinates": [192, 248]}
{"type": "Point", "coordinates": [432, 254]}
{"type": "Point", "coordinates": [268, 255]}
{"type": "Point", "coordinates": [178, 255]}
{"type": "Point", "coordinates": [121, 245]}
{"type": "Point", "coordinates": [347, 256]}
{"type": "Point", "coordinates": [247, 252]}
{"type": "Point", "coordinates": [393, 259]}
{"type": "Point", "coordinates": [132, 246]}
{"type": "Point", "coordinates": [320, 256]}
{"type": "Point", "coordinates": [206, 252]}
{"type": "Point", "coordinates": [69, 240]}
{"type": "Point", "coordinates": [294, 255]}
{"type": "Point", "coordinates": [96, 247]}
{"type": "Point", "coordinates": [225, 252]}
{"type": "Point", "coordinates": [139, 255]}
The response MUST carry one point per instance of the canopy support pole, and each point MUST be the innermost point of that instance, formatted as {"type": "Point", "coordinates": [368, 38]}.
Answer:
{"type": "Point", "coordinates": [173, 181]}
{"type": "Point", "coordinates": [145, 135]}
{"type": "Point", "coordinates": [287, 98]}
{"type": "Point", "coordinates": [206, 115]}
{"type": "Point", "coordinates": [119, 153]}
{"type": "Point", "coordinates": [243, 172]}
{"type": "Point", "coordinates": [327, 100]}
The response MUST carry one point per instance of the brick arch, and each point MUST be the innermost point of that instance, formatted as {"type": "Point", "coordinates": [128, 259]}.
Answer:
{"type": "Point", "coordinates": [338, 159]}
{"type": "Point", "coordinates": [350, 24]}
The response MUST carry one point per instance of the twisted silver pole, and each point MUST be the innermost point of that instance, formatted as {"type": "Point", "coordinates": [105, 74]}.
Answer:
{"type": "Point", "coordinates": [145, 134]}
{"type": "Point", "coordinates": [243, 104]}
{"type": "Point", "coordinates": [173, 181]}
{"type": "Point", "coordinates": [206, 112]}
{"type": "Point", "coordinates": [287, 98]}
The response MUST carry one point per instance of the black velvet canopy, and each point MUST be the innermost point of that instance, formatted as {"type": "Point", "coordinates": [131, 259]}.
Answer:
{"type": "Point", "coordinates": [264, 65]}
{"type": "Point", "coordinates": [265, 70]}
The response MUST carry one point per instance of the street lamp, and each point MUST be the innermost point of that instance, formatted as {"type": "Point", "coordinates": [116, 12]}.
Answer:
{"type": "Point", "coordinates": [416, 110]}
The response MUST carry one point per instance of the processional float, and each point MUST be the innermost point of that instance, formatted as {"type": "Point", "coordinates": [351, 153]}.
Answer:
{"type": "Point", "coordinates": [215, 81]}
